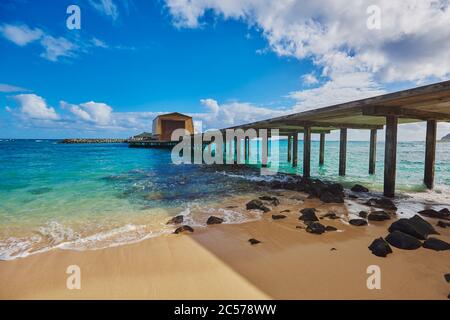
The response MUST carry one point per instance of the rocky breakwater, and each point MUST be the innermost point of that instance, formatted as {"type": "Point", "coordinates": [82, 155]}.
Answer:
{"type": "Point", "coordinates": [79, 141]}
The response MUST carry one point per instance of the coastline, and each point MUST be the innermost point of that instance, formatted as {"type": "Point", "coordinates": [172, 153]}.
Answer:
{"type": "Point", "coordinates": [218, 262]}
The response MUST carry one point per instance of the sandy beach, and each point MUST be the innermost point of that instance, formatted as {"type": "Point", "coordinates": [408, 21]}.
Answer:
{"type": "Point", "coordinates": [218, 262]}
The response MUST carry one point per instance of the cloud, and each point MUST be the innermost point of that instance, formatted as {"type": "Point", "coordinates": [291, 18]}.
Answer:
{"type": "Point", "coordinates": [310, 79]}
{"type": "Point", "coordinates": [54, 48]}
{"type": "Point", "coordinates": [34, 107]}
{"type": "Point", "coordinates": [7, 88]}
{"type": "Point", "coordinates": [412, 45]}
{"type": "Point", "coordinates": [93, 112]}
{"type": "Point", "coordinates": [21, 35]}
{"type": "Point", "coordinates": [106, 7]}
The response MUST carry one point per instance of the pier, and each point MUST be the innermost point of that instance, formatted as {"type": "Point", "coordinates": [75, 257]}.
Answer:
{"type": "Point", "coordinates": [429, 104]}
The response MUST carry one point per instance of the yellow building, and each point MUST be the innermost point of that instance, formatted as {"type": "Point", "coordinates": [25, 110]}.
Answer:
{"type": "Point", "coordinates": [165, 124]}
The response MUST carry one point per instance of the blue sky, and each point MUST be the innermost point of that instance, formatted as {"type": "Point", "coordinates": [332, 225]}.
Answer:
{"type": "Point", "coordinates": [222, 62]}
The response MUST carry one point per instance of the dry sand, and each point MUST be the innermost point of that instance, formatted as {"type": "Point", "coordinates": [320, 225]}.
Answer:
{"type": "Point", "coordinates": [218, 262]}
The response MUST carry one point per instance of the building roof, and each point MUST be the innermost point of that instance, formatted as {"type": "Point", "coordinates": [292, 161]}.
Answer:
{"type": "Point", "coordinates": [173, 114]}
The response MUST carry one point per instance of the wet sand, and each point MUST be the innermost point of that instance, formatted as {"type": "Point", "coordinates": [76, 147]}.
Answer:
{"type": "Point", "coordinates": [218, 262]}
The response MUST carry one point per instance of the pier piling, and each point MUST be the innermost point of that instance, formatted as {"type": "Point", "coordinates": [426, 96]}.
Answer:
{"type": "Point", "coordinates": [430, 153]}
{"type": "Point", "coordinates": [343, 152]}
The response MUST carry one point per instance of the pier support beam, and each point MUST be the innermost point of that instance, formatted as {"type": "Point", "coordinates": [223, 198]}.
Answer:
{"type": "Point", "coordinates": [264, 149]}
{"type": "Point", "coordinates": [343, 152]}
{"type": "Point", "coordinates": [373, 151]}
{"type": "Point", "coordinates": [295, 150]}
{"type": "Point", "coordinates": [307, 152]}
{"type": "Point", "coordinates": [322, 149]}
{"type": "Point", "coordinates": [430, 153]}
{"type": "Point", "coordinates": [390, 156]}
{"type": "Point", "coordinates": [289, 148]}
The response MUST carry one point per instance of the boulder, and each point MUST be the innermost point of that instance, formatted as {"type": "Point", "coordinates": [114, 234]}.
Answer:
{"type": "Point", "coordinates": [278, 216]}
{"type": "Point", "coordinates": [380, 247]}
{"type": "Point", "coordinates": [330, 228]}
{"type": "Point", "coordinates": [415, 226]}
{"type": "Point", "coordinates": [315, 228]}
{"type": "Point", "coordinates": [383, 203]}
{"type": "Point", "coordinates": [363, 214]}
{"type": "Point", "coordinates": [402, 240]}
{"type": "Point", "coordinates": [443, 224]}
{"type": "Point", "coordinates": [378, 216]}
{"type": "Point", "coordinates": [359, 188]}
{"type": "Point", "coordinates": [272, 200]}
{"type": "Point", "coordinates": [442, 214]}
{"type": "Point", "coordinates": [183, 229]}
{"type": "Point", "coordinates": [176, 220]}
{"type": "Point", "coordinates": [253, 241]}
{"type": "Point", "coordinates": [308, 215]}
{"type": "Point", "coordinates": [357, 222]}
{"type": "Point", "coordinates": [257, 204]}
{"type": "Point", "coordinates": [436, 244]}
{"type": "Point", "coordinates": [329, 197]}
{"type": "Point", "coordinates": [214, 220]}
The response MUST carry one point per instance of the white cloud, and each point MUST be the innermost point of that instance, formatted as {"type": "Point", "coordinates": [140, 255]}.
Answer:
{"type": "Point", "coordinates": [94, 112]}
{"type": "Point", "coordinates": [54, 48]}
{"type": "Point", "coordinates": [34, 107]}
{"type": "Point", "coordinates": [310, 79]}
{"type": "Point", "coordinates": [106, 7]}
{"type": "Point", "coordinates": [7, 88]}
{"type": "Point", "coordinates": [21, 35]}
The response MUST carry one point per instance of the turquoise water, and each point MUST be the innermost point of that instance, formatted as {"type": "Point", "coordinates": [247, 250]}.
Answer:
{"type": "Point", "coordinates": [99, 195]}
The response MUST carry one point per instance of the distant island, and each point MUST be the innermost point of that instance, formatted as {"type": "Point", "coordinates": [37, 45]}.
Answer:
{"type": "Point", "coordinates": [446, 138]}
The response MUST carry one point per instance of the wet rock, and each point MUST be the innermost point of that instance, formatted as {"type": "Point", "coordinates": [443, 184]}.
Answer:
{"type": "Point", "coordinates": [272, 200]}
{"type": "Point", "coordinates": [358, 222]}
{"type": "Point", "coordinates": [257, 204]}
{"type": "Point", "coordinates": [402, 240]}
{"type": "Point", "coordinates": [308, 215]}
{"type": "Point", "coordinates": [447, 277]}
{"type": "Point", "coordinates": [442, 214]}
{"type": "Point", "coordinates": [383, 203]}
{"type": "Point", "coordinates": [352, 196]}
{"type": "Point", "coordinates": [315, 228]}
{"type": "Point", "coordinates": [253, 241]}
{"type": "Point", "coordinates": [183, 229]}
{"type": "Point", "coordinates": [329, 197]}
{"type": "Point", "coordinates": [443, 224]}
{"type": "Point", "coordinates": [380, 247]}
{"type": "Point", "coordinates": [287, 210]}
{"type": "Point", "coordinates": [363, 214]}
{"type": "Point", "coordinates": [436, 244]}
{"type": "Point", "coordinates": [214, 220]}
{"type": "Point", "coordinates": [330, 229]}
{"type": "Point", "coordinates": [359, 188]}
{"type": "Point", "coordinates": [415, 226]}
{"type": "Point", "coordinates": [330, 215]}
{"type": "Point", "coordinates": [278, 216]}
{"type": "Point", "coordinates": [176, 220]}
{"type": "Point", "coordinates": [378, 216]}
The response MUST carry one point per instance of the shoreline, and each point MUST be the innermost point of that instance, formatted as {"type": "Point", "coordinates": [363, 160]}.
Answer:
{"type": "Point", "coordinates": [218, 262]}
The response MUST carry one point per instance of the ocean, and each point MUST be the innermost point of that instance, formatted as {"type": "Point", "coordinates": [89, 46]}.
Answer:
{"type": "Point", "coordinates": [92, 196]}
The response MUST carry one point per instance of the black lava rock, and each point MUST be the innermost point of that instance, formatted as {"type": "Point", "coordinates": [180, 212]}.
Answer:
{"type": "Point", "coordinates": [315, 228]}
{"type": "Point", "coordinates": [359, 188]}
{"type": "Point", "coordinates": [330, 215]}
{"type": "Point", "coordinates": [214, 220]}
{"type": "Point", "coordinates": [402, 240]}
{"type": "Point", "coordinates": [378, 216]}
{"type": "Point", "coordinates": [257, 204]}
{"type": "Point", "coordinates": [176, 220]}
{"type": "Point", "coordinates": [415, 226]}
{"type": "Point", "coordinates": [383, 203]}
{"type": "Point", "coordinates": [442, 214]}
{"type": "Point", "coordinates": [363, 214]}
{"type": "Point", "coordinates": [447, 277]}
{"type": "Point", "coordinates": [253, 241]}
{"type": "Point", "coordinates": [380, 247]}
{"type": "Point", "coordinates": [329, 197]}
{"type": "Point", "coordinates": [443, 224]}
{"type": "Point", "coordinates": [308, 215]}
{"type": "Point", "coordinates": [330, 229]}
{"type": "Point", "coordinates": [357, 222]}
{"type": "Point", "coordinates": [278, 216]}
{"type": "Point", "coordinates": [436, 244]}
{"type": "Point", "coordinates": [183, 229]}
